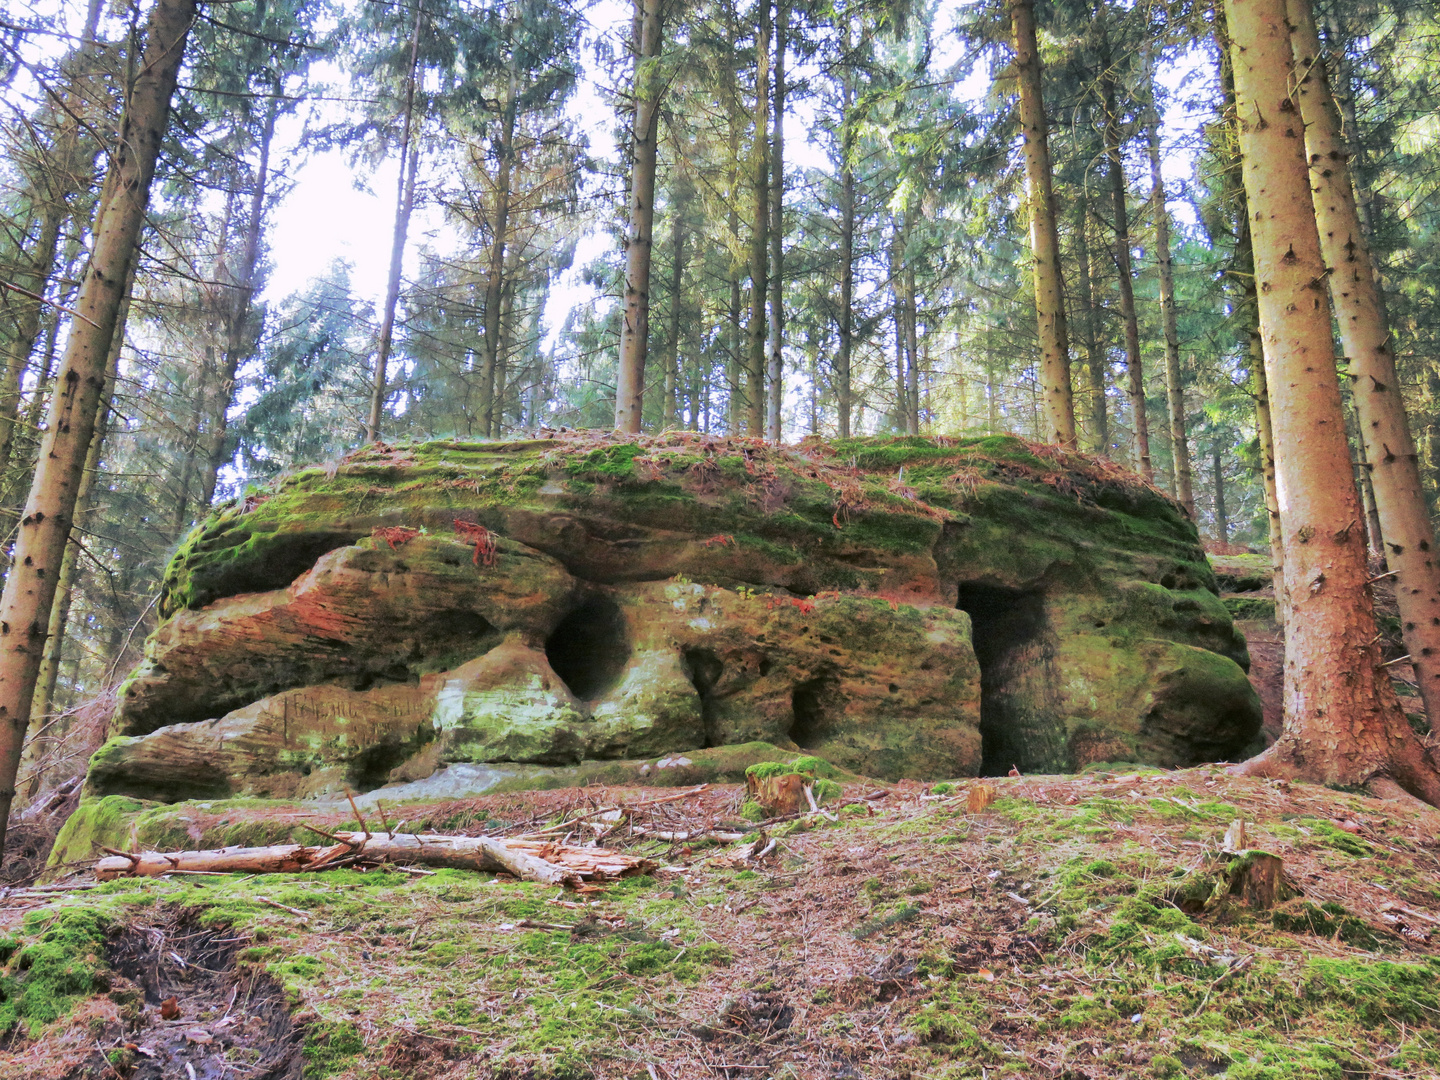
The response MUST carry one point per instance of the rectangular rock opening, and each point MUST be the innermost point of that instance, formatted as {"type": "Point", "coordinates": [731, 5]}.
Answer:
{"type": "Point", "coordinates": [1019, 726]}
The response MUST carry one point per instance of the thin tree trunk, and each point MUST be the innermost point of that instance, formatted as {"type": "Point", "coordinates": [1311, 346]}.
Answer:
{"type": "Point", "coordinates": [1374, 534]}
{"type": "Point", "coordinates": [635, 326]}
{"type": "Point", "coordinates": [238, 343]}
{"type": "Point", "coordinates": [1174, 380]}
{"type": "Point", "coordinates": [404, 204]}
{"type": "Point", "coordinates": [495, 277]}
{"type": "Point", "coordinates": [29, 593]}
{"type": "Point", "coordinates": [1343, 723]}
{"type": "Point", "coordinates": [814, 389]}
{"type": "Point", "coordinates": [897, 319]}
{"type": "Point", "coordinates": [1044, 236]}
{"type": "Point", "coordinates": [911, 396]}
{"type": "Point", "coordinates": [505, 340]}
{"type": "Point", "coordinates": [672, 334]}
{"type": "Point", "coordinates": [1222, 520]}
{"type": "Point", "coordinates": [844, 395]}
{"type": "Point", "coordinates": [1392, 463]}
{"type": "Point", "coordinates": [759, 228]}
{"type": "Point", "coordinates": [1095, 364]}
{"type": "Point", "coordinates": [775, 391]}
{"type": "Point", "coordinates": [1124, 272]}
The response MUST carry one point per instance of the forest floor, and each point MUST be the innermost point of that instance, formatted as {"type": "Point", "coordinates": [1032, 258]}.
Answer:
{"type": "Point", "coordinates": [1079, 928]}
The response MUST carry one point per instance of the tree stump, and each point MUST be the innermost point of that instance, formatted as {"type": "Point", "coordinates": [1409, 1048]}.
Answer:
{"type": "Point", "coordinates": [980, 798]}
{"type": "Point", "coordinates": [1258, 878]}
{"type": "Point", "coordinates": [778, 796]}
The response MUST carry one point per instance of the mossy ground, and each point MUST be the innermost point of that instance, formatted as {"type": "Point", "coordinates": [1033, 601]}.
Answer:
{"type": "Point", "coordinates": [1080, 928]}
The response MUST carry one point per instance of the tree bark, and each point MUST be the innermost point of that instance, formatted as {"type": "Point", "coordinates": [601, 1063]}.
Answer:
{"type": "Point", "coordinates": [404, 204]}
{"type": "Point", "coordinates": [1242, 269]}
{"type": "Point", "coordinates": [844, 393]}
{"type": "Point", "coordinates": [1390, 455]}
{"type": "Point", "coordinates": [1174, 379]}
{"type": "Point", "coordinates": [1222, 519]}
{"type": "Point", "coordinates": [49, 677]}
{"type": "Point", "coordinates": [1095, 364]}
{"type": "Point", "coordinates": [672, 334]}
{"type": "Point", "coordinates": [759, 228]}
{"type": "Point", "coordinates": [1265, 433]}
{"type": "Point", "coordinates": [1343, 723]}
{"type": "Point", "coordinates": [775, 390]}
{"type": "Point", "coordinates": [910, 387]}
{"type": "Point", "coordinates": [45, 526]}
{"type": "Point", "coordinates": [1044, 236]}
{"type": "Point", "coordinates": [734, 392]}
{"type": "Point", "coordinates": [635, 326]}
{"type": "Point", "coordinates": [1124, 272]}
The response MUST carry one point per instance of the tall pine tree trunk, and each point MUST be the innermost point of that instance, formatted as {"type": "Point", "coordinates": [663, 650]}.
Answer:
{"type": "Point", "coordinates": [1174, 379]}
{"type": "Point", "coordinates": [1095, 365]}
{"type": "Point", "coordinates": [1222, 519]}
{"type": "Point", "coordinates": [912, 351]}
{"type": "Point", "coordinates": [404, 204]}
{"type": "Point", "coordinates": [759, 228]}
{"type": "Point", "coordinates": [1124, 273]}
{"type": "Point", "coordinates": [44, 702]}
{"type": "Point", "coordinates": [48, 516]}
{"type": "Point", "coordinates": [635, 326]}
{"type": "Point", "coordinates": [734, 120]}
{"type": "Point", "coordinates": [672, 334]}
{"type": "Point", "coordinates": [1390, 454]}
{"type": "Point", "coordinates": [1044, 236]}
{"type": "Point", "coordinates": [1242, 269]}
{"type": "Point", "coordinates": [775, 392]}
{"type": "Point", "coordinates": [496, 279]}
{"type": "Point", "coordinates": [1343, 723]}
{"type": "Point", "coordinates": [844, 396]}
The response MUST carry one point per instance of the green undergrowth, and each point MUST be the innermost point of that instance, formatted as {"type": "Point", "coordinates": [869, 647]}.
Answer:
{"type": "Point", "coordinates": [1170, 974]}
{"type": "Point", "coordinates": [453, 953]}
{"type": "Point", "coordinates": [1088, 920]}
{"type": "Point", "coordinates": [53, 964]}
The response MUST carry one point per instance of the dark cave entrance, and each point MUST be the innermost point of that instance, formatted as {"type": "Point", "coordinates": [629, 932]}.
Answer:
{"type": "Point", "coordinates": [1018, 722]}
{"type": "Point", "coordinates": [703, 668]}
{"type": "Point", "coordinates": [812, 702]}
{"type": "Point", "coordinates": [589, 649]}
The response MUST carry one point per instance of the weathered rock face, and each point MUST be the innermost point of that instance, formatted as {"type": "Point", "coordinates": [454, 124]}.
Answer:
{"type": "Point", "coordinates": [902, 607]}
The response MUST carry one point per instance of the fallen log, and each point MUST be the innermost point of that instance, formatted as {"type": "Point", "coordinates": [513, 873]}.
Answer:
{"type": "Point", "coordinates": [532, 860]}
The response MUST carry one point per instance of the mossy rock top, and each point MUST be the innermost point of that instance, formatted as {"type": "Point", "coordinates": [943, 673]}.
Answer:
{"type": "Point", "coordinates": [843, 514]}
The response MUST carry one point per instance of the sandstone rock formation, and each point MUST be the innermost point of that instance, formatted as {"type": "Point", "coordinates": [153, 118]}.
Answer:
{"type": "Point", "coordinates": [903, 607]}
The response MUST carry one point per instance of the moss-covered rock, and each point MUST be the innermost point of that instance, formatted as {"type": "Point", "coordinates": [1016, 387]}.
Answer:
{"type": "Point", "coordinates": [905, 607]}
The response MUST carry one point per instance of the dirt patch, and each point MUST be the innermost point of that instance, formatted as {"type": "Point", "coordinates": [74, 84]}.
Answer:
{"type": "Point", "coordinates": [187, 1012]}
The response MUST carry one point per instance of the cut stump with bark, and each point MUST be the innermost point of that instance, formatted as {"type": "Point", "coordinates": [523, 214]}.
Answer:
{"type": "Point", "coordinates": [778, 796]}
{"type": "Point", "coordinates": [1258, 878]}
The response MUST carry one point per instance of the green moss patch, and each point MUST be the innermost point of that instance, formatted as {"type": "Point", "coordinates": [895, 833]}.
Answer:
{"type": "Point", "coordinates": [57, 961]}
